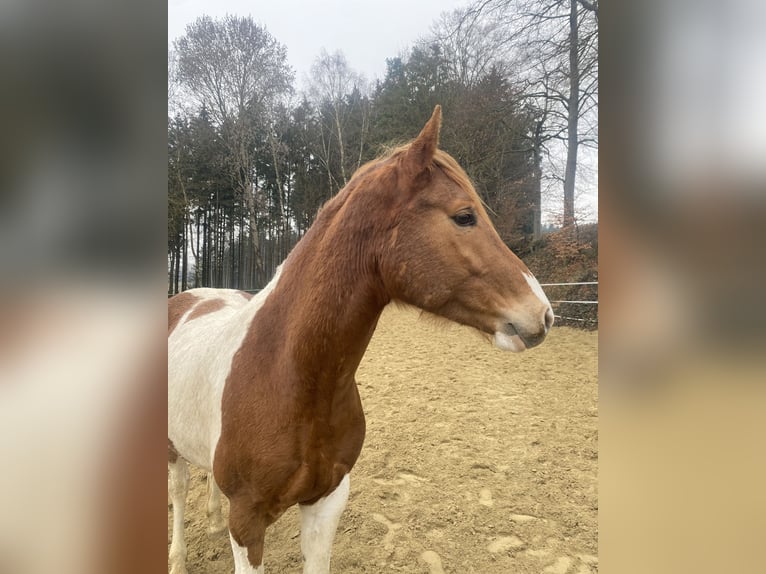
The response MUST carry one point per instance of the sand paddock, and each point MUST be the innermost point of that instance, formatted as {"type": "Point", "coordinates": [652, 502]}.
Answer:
{"type": "Point", "coordinates": [475, 461]}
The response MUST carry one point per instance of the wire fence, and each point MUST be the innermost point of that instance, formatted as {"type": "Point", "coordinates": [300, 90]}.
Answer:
{"type": "Point", "coordinates": [588, 318]}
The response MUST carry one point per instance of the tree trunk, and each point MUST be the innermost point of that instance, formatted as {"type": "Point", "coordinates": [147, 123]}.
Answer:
{"type": "Point", "coordinates": [336, 107]}
{"type": "Point", "coordinates": [178, 267]}
{"type": "Point", "coordinates": [537, 176]}
{"type": "Point", "coordinates": [288, 230]}
{"type": "Point", "coordinates": [247, 180]}
{"type": "Point", "coordinates": [249, 195]}
{"type": "Point", "coordinates": [175, 268]}
{"type": "Point", "coordinates": [573, 114]}
{"type": "Point", "coordinates": [232, 265]}
{"type": "Point", "coordinates": [171, 272]}
{"type": "Point", "coordinates": [282, 229]}
{"type": "Point", "coordinates": [197, 259]}
{"type": "Point", "coordinates": [184, 253]}
{"type": "Point", "coordinates": [205, 277]}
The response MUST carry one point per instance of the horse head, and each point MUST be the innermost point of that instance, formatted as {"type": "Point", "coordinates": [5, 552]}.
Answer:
{"type": "Point", "coordinates": [444, 255]}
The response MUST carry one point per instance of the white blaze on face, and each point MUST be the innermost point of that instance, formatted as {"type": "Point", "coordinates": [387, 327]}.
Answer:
{"type": "Point", "coordinates": [536, 289]}
{"type": "Point", "coordinates": [505, 337]}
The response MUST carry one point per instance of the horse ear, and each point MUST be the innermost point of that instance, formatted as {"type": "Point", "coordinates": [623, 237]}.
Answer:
{"type": "Point", "coordinates": [421, 152]}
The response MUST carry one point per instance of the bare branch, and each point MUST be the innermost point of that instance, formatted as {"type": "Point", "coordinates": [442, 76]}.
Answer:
{"type": "Point", "coordinates": [592, 6]}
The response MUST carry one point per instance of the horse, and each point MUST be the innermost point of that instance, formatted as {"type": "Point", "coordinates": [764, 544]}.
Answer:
{"type": "Point", "coordinates": [261, 389]}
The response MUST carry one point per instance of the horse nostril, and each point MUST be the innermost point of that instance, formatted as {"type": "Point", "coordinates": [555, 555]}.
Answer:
{"type": "Point", "coordinates": [548, 319]}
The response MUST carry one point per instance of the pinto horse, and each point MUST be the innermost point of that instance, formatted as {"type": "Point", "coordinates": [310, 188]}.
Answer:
{"type": "Point", "coordinates": [261, 389]}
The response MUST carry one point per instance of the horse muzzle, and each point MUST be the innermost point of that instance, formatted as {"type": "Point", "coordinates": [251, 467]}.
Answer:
{"type": "Point", "coordinates": [517, 336]}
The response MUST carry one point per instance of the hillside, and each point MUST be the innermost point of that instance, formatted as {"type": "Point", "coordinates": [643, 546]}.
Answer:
{"type": "Point", "coordinates": [568, 256]}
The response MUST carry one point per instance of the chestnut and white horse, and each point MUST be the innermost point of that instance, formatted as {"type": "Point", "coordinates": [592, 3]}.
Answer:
{"type": "Point", "coordinates": [261, 389]}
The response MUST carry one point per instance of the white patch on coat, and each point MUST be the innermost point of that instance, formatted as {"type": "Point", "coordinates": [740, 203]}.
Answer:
{"type": "Point", "coordinates": [215, 521]}
{"type": "Point", "coordinates": [200, 354]}
{"type": "Point", "coordinates": [241, 561]}
{"type": "Point", "coordinates": [178, 486]}
{"type": "Point", "coordinates": [319, 521]}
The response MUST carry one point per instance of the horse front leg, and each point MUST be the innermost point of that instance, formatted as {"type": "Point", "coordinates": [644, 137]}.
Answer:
{"type": "Point", "coordinates": [215, 521]}
{"type": "Point", "coordinates": [247, 529]}
{"type": "Point", "coordinates": [178, 486]}
{"type": "Point", "coordinates": [319, 521]}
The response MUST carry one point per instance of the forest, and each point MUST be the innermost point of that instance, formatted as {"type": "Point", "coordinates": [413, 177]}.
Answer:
{"type": "Point", "coordinates": [251, 158]}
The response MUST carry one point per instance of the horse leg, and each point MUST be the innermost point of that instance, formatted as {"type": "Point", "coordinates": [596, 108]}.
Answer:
{"type": "Point", "coordinates": [319, 521]}
{"type": "Point", "coordinates": [216, 523]}
{"type": "Point", "coordinates": [247, 528]}
{"type": "Point", "coordinates": [178, 486]}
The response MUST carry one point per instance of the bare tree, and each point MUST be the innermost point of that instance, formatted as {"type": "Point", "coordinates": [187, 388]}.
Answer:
{"type": "Point", "coordinates": [332, 81]}
{"type": "Point", "coordinates": [172, 82]}
{"type": "Point", "coordinates": [554, 48]}
{"type": "Point", "coordinates": [238, 71]}
{"type": "Point", "coordinates": [471, 45]}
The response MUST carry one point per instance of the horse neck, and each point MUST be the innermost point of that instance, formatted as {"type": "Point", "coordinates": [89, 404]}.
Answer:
{"type": "Point", "coordinates": [330, 297]}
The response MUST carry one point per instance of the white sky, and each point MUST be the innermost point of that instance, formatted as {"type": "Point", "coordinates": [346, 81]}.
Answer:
{"type": "Point", "coordinates": [366, 31]}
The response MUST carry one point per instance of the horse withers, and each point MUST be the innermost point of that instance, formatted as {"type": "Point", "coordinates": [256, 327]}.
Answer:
{"type": "Point", "coordinates": [261, 390]}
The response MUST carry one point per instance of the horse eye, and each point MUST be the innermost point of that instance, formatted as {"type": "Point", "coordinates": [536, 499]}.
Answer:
{"type": "Point", "coordinates": [465, 219]}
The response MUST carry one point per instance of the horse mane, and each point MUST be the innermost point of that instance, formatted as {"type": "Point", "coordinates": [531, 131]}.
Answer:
{"type": "Point", "coordinates": [369, 170]}
{"type": "Point", "coordinates": [442, 160]}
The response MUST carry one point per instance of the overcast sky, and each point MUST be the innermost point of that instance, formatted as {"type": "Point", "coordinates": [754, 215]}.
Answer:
{"type": "Point", "coordinates": [367, 31]}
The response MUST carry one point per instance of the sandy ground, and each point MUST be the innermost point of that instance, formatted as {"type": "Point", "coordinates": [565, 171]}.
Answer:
{"type": "Point", "coordinates": [475, 460]}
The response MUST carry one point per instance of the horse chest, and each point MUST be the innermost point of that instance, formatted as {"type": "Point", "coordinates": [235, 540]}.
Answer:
{"type": "Point", "coordinates": [290, 453]}
{"type": "Point", "coordinates": [326, 455]}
